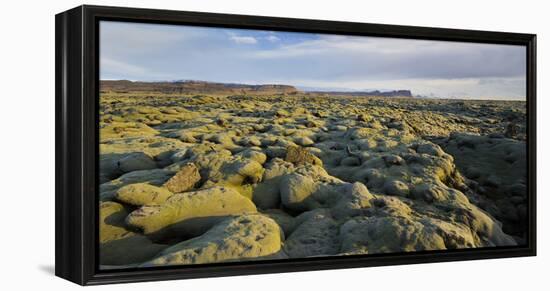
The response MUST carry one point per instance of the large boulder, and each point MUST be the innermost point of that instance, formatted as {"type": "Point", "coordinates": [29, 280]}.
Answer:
{"type": "Point", "coordinates": [306, 190]}
{"type": "Point", "coordinates": [189, 214]}
{"type": "Point", "coordinates": [245, 237]}
{"type": "Point", "coordinates": [296, 192]}
{"type": "Point", "coordinates": [355, 201]}
{"type": "Point", "coordinates": [266, 194]}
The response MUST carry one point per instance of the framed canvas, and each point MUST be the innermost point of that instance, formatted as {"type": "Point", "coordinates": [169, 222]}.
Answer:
{"type": "Point", "coordinates": [197, 144]}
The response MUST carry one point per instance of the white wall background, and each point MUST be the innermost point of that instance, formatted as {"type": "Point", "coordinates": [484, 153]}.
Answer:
{"type": "Point", "coordinates": [27, 145]}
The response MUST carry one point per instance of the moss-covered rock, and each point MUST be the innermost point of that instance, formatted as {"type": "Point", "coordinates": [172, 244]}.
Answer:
{"type": "Point", "coordinates": [354, 201]}
{"type": "Point", "coordinates": [189, 214]}
{"type": "Point", "coordinates": [357, 175]}
{"type": "Point", "coordinates": [316, 235]}
{"type": "Point", "coordinates": [240, 238]}
{"type": "Point", "coordinates": [124, 129]}
{"type": "Point", "coordinates": [142, 194]}
{"type": "Point", "coordinates": [296, 192]}
{"type": "Point", "coordinates": [111, 222]}
{"type": "Point", "coordinates": [387, 234]}
{"type": "Point", "coordinates": [266, 194]}
{"type": "Point", "coordinates": [155, 177]}
{"type": "Point", "coordinates": [300, 156]}
{"type": "Point", "coordinates": [186, 178]}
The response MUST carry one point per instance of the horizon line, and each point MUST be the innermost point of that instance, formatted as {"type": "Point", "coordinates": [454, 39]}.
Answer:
{"type": "Point", "coordinates": [327, 89]}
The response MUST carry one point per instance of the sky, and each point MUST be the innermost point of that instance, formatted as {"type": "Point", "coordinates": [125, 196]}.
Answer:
{"type": "Point", "coordinates": [160, 52]}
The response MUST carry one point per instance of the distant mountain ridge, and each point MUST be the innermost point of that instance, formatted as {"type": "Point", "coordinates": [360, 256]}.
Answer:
{"type": "Point", "coordinates": [196, 87]}
{"type": "Point", "coordinates": [393, 93]}
{"type": "Point", "coordinates": [204, 87]}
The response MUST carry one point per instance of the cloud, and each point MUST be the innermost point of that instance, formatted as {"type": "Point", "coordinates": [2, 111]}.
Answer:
{"type": "Point", "coordinates": [243, 39]}
{"type": "Point", "coordinates": [272, 38]}
{"type": "Point", "coordinates": [170, 52]}
{"type": "Point", "coordinates": [384, 58]}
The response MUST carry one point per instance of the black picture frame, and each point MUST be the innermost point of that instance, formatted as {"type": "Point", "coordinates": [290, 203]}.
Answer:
{"type": "Point", "coordinates": [77, 91]}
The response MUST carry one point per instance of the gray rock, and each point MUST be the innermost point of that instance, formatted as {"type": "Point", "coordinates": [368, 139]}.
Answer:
{"type": "Point", "coordinates": [317, 235]}
{"type": "Point", "coordinates": [355, 201]}
{"type": "Point", "coordinates": [135, 162]}
{"type": "Point", "coordinates": [387, 234]}
{"type": "Point", "coordinates": [296, 192]}
{"type": "Point", "coordinates": [396, 188]}
{"type": "Point", "coordinates": [430, 149]}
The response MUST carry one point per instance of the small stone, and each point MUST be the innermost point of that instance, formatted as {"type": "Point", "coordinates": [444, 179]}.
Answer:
{"type": "Point", "coordinates": [393, 160]}
{"type": "Point", "coordinates": [254, 141]}
{"type": "Point", "coordinates": [304, 141]}
{"type": "Point", "coordinates": [301, 156]}
{"type": "Point", "coordinates": [340, 128]}
{"type": "Point", "coordinates": [221, 122]}
{"type": "Point", "coordinates": [311, 124]}
{"type": "Point", "coordinates": [364, 117]}
{"type": "Point", "coordinates": [185, 179]}
{"type": "Point", "coordinates": [282, 113]}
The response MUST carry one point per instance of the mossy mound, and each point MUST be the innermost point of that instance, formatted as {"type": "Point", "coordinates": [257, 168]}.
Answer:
{"type": "Point", "coordinates": [235, 239]}
{"type": "Point", "coordinates": [186, 178]}
{"type": "Point", "coordinates": [337, 175]}
{"type": "Point", "coordinates": [124, 129]}
{"type": "Point", "coordinates": [111, 222]}
{"type": "Point", "coordinates": [189, 214]}
{"type": "Point", "coordinates": [142, 194]}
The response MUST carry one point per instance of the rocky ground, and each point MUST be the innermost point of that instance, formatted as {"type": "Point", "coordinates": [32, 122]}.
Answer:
{"type": "Point", "coordinates": [203, 179]}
